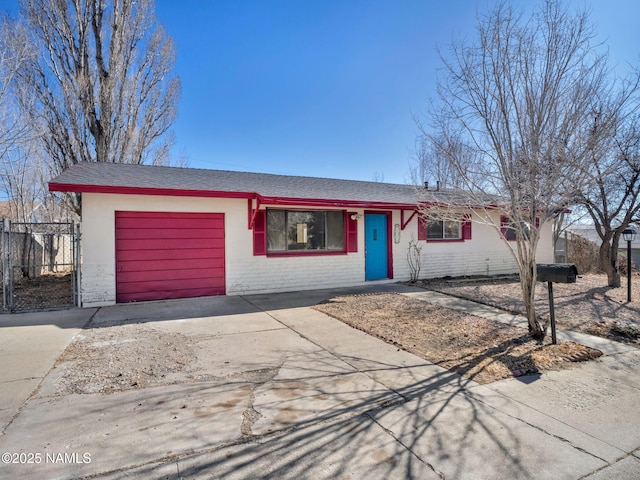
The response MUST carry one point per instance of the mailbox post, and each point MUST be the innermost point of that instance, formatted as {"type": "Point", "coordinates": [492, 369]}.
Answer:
{"type": "Point", "coordinates": [558, 273]}
{"type": "Point", "coordinates": [552, 314]}
{"type": "Point", "coordinates": [629, 235]}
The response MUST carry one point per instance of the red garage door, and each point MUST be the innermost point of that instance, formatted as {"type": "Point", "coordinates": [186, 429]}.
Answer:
{"type": "Point", "coordinates": [169, 255]}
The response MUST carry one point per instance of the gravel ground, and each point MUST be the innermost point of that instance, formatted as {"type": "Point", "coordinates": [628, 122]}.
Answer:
{"type": "Point", "coordinates": [124, 357]}
{"type": "Point", "coordinates": [587, 306]}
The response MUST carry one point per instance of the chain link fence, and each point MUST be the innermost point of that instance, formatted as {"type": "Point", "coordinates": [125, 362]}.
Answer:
{"type": "Point", "coordinates": [39, 265]}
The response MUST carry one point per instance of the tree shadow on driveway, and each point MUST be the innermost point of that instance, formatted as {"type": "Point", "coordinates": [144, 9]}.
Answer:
{"type": "Point", "coordinates": [440, 426]}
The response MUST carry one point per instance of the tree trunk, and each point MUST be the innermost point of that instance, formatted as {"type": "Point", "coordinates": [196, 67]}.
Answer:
{"type": "Point", "coordinates": [527, 282]}
{"type": "Point", "coordinates": [25, 254]}
{"type": "Point", "coordinates": [608, 256]}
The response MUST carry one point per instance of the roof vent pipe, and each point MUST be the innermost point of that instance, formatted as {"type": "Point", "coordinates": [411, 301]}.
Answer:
{"type": "Point", "coordinates": [438, 186]}
{"type": "Point", "coordinates": [426, 185]}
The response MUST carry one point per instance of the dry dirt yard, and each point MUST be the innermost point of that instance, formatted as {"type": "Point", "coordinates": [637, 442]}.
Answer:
{"type": "Point", "coordinates": [124, 357]}
{"type": "Point", "coordinates": [52, 290]}
{"type": "Point", "coordinates": [587, 306]}
{"type": "Point", "coordinates": [477, 348]}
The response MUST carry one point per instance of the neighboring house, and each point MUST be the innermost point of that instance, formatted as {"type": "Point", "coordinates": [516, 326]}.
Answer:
{"type": "Point", "coordinates": [153, 232]}
{"type": "Point", "coordinates": [35, 212]}
{"type": "Point", "coordinates": [5, 209]}
{"type": "Point", "coordinates": [31, 211]}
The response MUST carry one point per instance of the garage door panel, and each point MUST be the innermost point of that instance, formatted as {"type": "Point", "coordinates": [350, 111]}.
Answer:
{"type": "Point", "coordinates": [162, 233]}
{"type": "Point", "coordinates": [166, 295]}
{"type": "Point", "coordinates": [182, 254]}
{"type": "Point", "coordinates": [169, 255]}
{"type": "Point", "coordinates": [151, 223]}
{"type": "Point", "coordinates": [155, 221]}
{"type": "Point", "coordinates": [185, 254]}
{"type": "Point", "coordinates": [169, 292]}
{"type": "Point", "coordinates": [164, 274]}
{"type": "Point", "coordinates": [212, 284]}
{"type": "Point", "coordinates": [124, 214]}
{"type": "Point", "coordinates": [168, 244]}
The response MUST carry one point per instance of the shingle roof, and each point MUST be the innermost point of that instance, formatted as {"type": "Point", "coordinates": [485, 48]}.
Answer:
{"type": "Point", "coordinates": [102, 176]}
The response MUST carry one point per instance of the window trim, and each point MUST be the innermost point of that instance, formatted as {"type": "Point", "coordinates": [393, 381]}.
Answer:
{"type": "Point", "coordinates": [309, 253]}
{"type": "Point", "coordinates": [465, 231]}
{"type": "Point", "coordinates": [443, 238]}
{"type": "Point", "coordinates": [506, 226]}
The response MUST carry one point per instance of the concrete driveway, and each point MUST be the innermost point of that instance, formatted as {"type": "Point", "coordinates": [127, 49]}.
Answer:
{"type": "Point", "coordinates": [30, 343]}
{"type": "Point", "coordinates": [292, 393]}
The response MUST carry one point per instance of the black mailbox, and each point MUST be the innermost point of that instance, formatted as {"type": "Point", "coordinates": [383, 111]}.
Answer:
{"type": "Point", "coordinates": [557, 272]}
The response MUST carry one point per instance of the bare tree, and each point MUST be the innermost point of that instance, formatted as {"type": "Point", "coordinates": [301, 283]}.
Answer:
{"type": "Point", "coordinates": [22, 183]}
{"type": "Point", "coordinates": [23, 179]}
{"type": "Point", "coordinates": [99, 82]}
{"type": "Point", "coordinates": [14, 52]}
{"type": "Point", "coordinates": [611, 197]}
{"type": "Point", "coordinates": [378, 177]}
{"type": "Point", "coordinates": [510, 123]}
{"type": "Point", "coordinates": [21, 174]}
{"type": "Point", "coordinates": [431, 168]}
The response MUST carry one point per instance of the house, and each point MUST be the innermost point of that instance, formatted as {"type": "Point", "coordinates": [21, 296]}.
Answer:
{"type": "Point", "coordinates": [151, 232]}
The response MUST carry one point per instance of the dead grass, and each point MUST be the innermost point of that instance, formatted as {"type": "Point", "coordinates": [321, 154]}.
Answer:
{"type": "Point", "coordinates": [52, 290]}
{"type": "Point", "coordinates": [477, 348]}
{"type": "Point", "coordinates": [587, 306]}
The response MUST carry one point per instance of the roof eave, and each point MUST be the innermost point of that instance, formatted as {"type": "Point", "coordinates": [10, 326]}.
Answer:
{"type": "Point", "coordinates": [270, 200]}
{"type": "Point", "coordinates": [171, 192]}
{"type": "Point", "coordinates": [328, 202]}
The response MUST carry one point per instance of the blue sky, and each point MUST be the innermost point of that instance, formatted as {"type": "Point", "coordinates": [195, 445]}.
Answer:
{"type": "Point", "coordinates": [303, 87]}
{"type": "Point", "coordinates": [324, 88]}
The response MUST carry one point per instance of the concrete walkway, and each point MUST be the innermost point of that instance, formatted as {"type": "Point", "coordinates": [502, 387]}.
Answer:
{"type": "Point", "coordinates": [292, 393]}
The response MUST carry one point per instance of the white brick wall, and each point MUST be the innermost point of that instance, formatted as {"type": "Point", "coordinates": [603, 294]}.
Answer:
{"type": "Point", "coordinates": [485, 254]}
{"type": "Point", "coordinates": [246, 273]}
{"type": "Point", "coordinates": [277, 274]}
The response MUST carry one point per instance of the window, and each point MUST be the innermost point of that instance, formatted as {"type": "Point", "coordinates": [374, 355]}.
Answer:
{"type": "Point", "coordinates": [444, 229]}
{"type": "Point", "coordinates": [511, 234]}
{"type": "Point", "coordinates": [509, 231]}
{"type": "Point", "coordinates": [303, 231]}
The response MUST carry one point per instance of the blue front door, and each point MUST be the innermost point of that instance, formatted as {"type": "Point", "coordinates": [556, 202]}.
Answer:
{"type": "Point", "coordinates": [375, 246]}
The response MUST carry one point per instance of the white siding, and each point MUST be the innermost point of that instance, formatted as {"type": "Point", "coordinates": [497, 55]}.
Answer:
{"type": "Point", "coordinates": [246, 273]}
